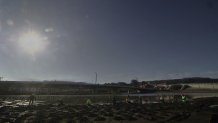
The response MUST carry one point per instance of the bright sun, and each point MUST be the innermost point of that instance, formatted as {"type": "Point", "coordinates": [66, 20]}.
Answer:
{"type": "Point", "coordinates": [32, 43]}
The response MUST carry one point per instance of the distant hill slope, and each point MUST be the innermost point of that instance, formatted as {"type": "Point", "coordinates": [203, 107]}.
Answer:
{"type": "Point", "coordinates": [185, 80]}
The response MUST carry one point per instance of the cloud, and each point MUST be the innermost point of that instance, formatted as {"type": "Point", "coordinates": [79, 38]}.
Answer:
{"type": "Point", "coordinates": [49, 30]}
{"type": "Point", "coordinates": [210, 74]}
{"type": "Point", "coordinates": [10, 22]}
{"type": "Point", "coordinates": [0, 25]}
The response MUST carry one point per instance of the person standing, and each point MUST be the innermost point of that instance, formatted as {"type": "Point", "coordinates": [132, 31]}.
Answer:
{"type": "Point", "coordinates": [32, 98]}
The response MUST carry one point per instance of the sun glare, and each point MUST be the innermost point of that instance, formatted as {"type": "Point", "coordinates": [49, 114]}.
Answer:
{"type": "Point", "coordinates": [32, 43]}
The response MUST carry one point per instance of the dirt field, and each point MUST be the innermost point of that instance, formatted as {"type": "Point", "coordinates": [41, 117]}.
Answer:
{"type": "Point", "coordinates": [196, 111]}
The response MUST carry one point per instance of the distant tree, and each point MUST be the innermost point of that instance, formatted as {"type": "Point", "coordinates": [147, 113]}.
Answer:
{"type": "Point", "coordinates": [1, 78]}
{"type": "Point", "coordinates": [134, 82]}
{"type": "Point", "coordinates": [144, 82]}
{"type": "Point", "coordinates": [122, 83]}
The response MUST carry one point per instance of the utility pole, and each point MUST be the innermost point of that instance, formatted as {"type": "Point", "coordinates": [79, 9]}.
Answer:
{"type": "Point", "coordinates": [96, 78]}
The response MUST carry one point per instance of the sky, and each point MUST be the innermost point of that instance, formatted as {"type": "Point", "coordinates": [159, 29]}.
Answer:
{"type": "Point", "coordinates": [119, 39]}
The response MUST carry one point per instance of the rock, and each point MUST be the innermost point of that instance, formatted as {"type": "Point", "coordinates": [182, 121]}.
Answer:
{"type": "Point", "coordinates": [109, 114]}
{"type": "Point", "coordinates": [214, 118]}
{"type": "Point", "coordinates": [100, 118]}
{"type": "Point", "coordinates": [83, 120]}
{"type": "Point", "coordinates": [118, 118]}
{"type": "Point", "coordinates": [92, 115]}
{"type": "Point", "coordinates": [131, 118]}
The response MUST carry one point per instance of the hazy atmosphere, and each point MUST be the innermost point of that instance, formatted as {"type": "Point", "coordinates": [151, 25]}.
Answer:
{"type": "Point", "coordinates": [119, 39]}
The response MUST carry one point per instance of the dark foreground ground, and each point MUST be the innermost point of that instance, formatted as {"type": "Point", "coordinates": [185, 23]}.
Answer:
{"type": "Point", "coordinates": [196, 111]}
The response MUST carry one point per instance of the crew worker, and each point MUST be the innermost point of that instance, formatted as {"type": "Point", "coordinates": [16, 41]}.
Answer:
{"type": "Point", "coordinates": [32, 98]}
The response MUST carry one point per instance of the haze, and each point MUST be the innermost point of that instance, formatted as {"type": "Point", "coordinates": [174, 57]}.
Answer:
{"type": "Point", "coordinates": [119, 39]}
